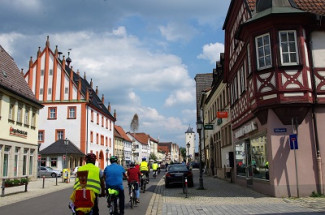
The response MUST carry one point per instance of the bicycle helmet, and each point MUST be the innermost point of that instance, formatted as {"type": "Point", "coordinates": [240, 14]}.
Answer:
{"type": "Point", "coordinates": [113, 159]}
{"type": "Point", "coordinates": [90, 158]}
{"type": "Point", "coordinates": [144, 159]}
{"type": "Point", "coordinates": [132, 164]}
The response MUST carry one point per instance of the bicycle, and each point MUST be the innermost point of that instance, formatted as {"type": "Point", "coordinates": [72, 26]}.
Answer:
{"type": "Point", "coordinates": [154, 175]}
{"type": "Point", "coordinates": [144, 181]}
{"type": "Point", "coordinates": [113, 201]}
{"type": "Point", "coordinates": [133, 199]}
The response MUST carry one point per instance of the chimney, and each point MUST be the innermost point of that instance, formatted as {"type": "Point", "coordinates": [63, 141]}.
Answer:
{"type": "Point", "coordinates": [103, 98]}
{"type": "Point", "coordinates": [22, 71]}
{"type": "Point", "coordinates": [78, 73]}
{"type": "Point", "coordinates": [115, 114]}
{"type": "Point", "coordinates": [109, 107]}
{"type": "Point", "coordinates": [47, 44]}
{"type": "Point", "coordinates": [56, 52]}
{"type": "Point", "coordinates": [85, 76]}
{"type": "Point", "coordinates": [97, 90]}
{"type": "Point", "coordinates": [91, 83]}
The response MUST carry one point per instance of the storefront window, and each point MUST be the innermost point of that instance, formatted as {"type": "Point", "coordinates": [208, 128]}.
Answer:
{"type": "Point", "coordinates": [25, 162]}
{"type": "Point", "coordinates": [260, 163]}
{"type": "Point", "coordinates": [6, 161]}
{"type": "Point", "coordinates": [16, 161]}
{"type": "Point", "coordinates": [241, 162]}
{"type": "Point", "coordinates": [43, 161]}
{"type": "Point", "coordinates": [251, 158]}
{"type": "Point", "coordinates": [31, 159]}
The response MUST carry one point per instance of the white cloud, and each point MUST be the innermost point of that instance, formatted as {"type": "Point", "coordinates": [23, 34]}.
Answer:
{"type": "Point", "coordinates": [211, 52]}
{"type": "Point", "coordinates": [177, 32]}
{"type": "Point", "coordinates": [180, 96]}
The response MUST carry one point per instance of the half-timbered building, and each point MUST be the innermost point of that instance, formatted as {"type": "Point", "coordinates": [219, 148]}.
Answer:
{"type": "Point", "coordinates": [275, 68]}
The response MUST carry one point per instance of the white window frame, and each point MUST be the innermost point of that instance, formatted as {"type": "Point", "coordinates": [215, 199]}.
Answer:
{"type": "Point", "coordinates": [26, 118]}
{"type": "Point", "coordinates": [289, 51]}
{"type": "Point", "coordinates": [259, 67]}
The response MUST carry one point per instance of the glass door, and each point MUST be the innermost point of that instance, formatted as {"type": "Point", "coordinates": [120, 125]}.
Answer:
{"type": "Point", "coordinates": [249, 169]}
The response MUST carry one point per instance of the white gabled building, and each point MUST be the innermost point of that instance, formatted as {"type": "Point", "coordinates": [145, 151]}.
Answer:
{"type": "Point", "coordinates": [72, 110]}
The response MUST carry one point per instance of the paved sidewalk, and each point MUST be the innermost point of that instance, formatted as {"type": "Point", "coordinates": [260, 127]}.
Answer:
{"type": "Point", "coordinates": [34, 189]}
{"type": "Point", "coordinates": [222, 197]}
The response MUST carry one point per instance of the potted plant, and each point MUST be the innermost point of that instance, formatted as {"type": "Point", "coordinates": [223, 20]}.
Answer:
{"type": "Point", "coordinates": [8, 183]}
{"type": "Point", "coordinates": [24, 181]}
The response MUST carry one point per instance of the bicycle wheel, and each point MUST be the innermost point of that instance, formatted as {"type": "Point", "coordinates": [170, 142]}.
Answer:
{"type": "Point", "coordinates": [131, 197]}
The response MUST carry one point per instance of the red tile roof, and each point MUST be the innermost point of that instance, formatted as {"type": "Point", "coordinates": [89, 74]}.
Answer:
{"type": "Point", "coordinates": [12, 79]}
{"type": "Point", "coordinates": [122, 133]}
{"type": "Point", "coordinates": [312, 6]}
{"type": "Point", "coordinates": [141, 137]}
{"type": "Point", "coordinates": [164, 149]}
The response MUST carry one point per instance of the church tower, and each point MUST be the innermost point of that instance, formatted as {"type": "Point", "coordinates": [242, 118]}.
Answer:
{"type": "Point", "coordinates": [190, 144]}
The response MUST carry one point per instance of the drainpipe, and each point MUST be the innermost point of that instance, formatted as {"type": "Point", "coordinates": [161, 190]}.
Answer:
{"type": "Point", "coordinates": [318, 155]}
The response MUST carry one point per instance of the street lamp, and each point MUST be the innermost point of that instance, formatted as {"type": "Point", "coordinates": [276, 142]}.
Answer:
{"type": "Point", "coordinates": [188, 151]}
{"type": "Point", "coordinates": [66, 143]}
{"type": "Point", "coordinates": [200, 128]}
{"type": "Point", "coordinates": [107, 150]}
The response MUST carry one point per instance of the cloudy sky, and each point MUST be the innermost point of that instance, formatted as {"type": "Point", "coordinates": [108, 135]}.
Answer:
{"type": "Point", "coordinates": [142, 54]}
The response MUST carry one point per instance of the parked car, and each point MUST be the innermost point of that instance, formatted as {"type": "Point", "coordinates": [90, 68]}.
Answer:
{"type": "Point", "coordinates": [48, 172]}
{"type": "Point", "coordinates": [175, 175]}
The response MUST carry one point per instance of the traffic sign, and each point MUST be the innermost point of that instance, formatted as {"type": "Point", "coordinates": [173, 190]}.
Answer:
{"type": "Point", "coordinates": [293, 141]}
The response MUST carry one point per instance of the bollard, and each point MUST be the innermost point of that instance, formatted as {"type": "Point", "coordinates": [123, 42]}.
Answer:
{"type": "Point", "coordinates": [56, 180]}
{"type": "Point", "coordinates": [43, 181]}
{"type": "Point", "coordinates": [186, 187]}
{"type": "Point", "coordinates": [26, 184]}
{"type": "Point", "coordinates": [3, 188]}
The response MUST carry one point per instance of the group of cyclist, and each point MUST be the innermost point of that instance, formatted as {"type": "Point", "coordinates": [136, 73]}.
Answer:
{"type": "Point", "coordinates": [99, 181]}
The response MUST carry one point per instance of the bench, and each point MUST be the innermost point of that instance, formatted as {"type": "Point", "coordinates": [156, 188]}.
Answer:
{"type": "Point", "coordinates": [13, 182]}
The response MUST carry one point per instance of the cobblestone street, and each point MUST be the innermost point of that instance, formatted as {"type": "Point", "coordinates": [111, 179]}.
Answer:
{"type": "Point", "coordinates": [222, 197]}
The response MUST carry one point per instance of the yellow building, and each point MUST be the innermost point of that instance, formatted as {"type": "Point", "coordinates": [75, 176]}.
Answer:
{"type": "Point", "coordinates": [18, 122]}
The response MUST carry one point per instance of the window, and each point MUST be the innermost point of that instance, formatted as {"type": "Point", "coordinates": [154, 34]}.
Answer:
{"type": "Point", "coordinates": [51, 71]}
{"type": "Point", "coordinates": [54, 162]}
{"type": "Point", "coordinates": [242, 79]}
{"type": "Point", "coordinates": [72, 112]}
{"type": "Point", "coordinates": [43, 161]}
{"type": "Point", "coordinates": [92, 115]}
{"type": "Point", "coordinates": [59, 134]}
{"type": "Point", "coordinates": [16, 161]}
{"type": "Point", "coordinates": [42, 72]}
{"type": "Point", "coordinates": [110, 142]}
{"type": "Point", "coordinates": [11, 111]}
{"type": "Point", "coordinates": [41, 136]}
{"type": "Point", "coordinates": [41, 91]}
{"type": "Point", "coordinates": [31, 159]}
{"type": "Point", "coordinates": [106, 141]}
{"type": "Point", "coordinates": [5, 161]}
{"type": "Point", "coordinates": [50, 91]}
{"type": "Point", "coordinates": [249, 60]}
{"type": "Point", "coordinates": [106, 123]}
{"type": "Point", "coordinates": [97, 138]}
{"type": "Point", "coordinates": [25, 161]}
{"type": "Point", "coordinates": [20, 113]}
{"type": "Point", "coordinates": [102, 140]}
{"type": "Point", "coordinates": [33, 118]}
{"type": "Point", "coordinates": [91, 137]}
{"type": "Point", "coordinates": [26, 121]}
{"type": "Point", "coordinates": [66, 90]}
{"type": "Point", "coordinates": [102, 121]}
{"type": "Point", "coordinates": [288, 47]}
{"type": "Point", "coordinates": [97, 119]}
{"type": "Point", "coordinates": [52, 113]}
{"type": "Point", "coordinates": [263, 51]}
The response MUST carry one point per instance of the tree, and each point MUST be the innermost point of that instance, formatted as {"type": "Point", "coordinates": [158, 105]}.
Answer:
{"type": "Point", "coordinates": [153, 157]}
{"type": "Point", "coordinates": [134, 126]}
{"type": "Point", "coordinates": [183, 152]}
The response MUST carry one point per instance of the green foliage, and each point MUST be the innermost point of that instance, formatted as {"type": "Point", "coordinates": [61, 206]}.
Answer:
{"type": "Point", "coordinates": [16, 182]}
{"type": "Point", "coordinates": [152, 156]}
{"type": "Point", "coordinates": [24, 180]}
{"type": "Point", "coordinates": [314, 194]}
{"type": "Point", "coordinates": [183, 152]}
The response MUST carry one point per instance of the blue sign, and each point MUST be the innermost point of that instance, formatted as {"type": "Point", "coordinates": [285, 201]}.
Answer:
{"type": "Point", "coordinates": [279, 130]}
{"type": "Point", "coordinates": [293, 141]}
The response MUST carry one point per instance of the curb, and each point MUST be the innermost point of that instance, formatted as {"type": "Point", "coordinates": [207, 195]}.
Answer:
{"type": "Point", "coordinates": [156, 202]}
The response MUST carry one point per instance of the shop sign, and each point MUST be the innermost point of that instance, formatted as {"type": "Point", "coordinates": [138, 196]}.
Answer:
{"type": "Point", "coordinates": [280, 130]}
{"type": "Point", "coordinates": [222, 114]}
{"type": "Point", "coordinates": [17, 132]}
{"type": "Point", "coordinates": [246, 129]}
{"type": "Point", "coordinates": [208, 126]}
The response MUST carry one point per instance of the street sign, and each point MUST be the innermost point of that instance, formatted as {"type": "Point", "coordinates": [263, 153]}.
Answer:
{"type": "Point", "coordinates": [293, 141]}
{"type": "Point", "coordinates": [279, 130]}
{"type": "Point", "coordinates": [208, 126]}
{"type": "Point", "coordinates": [63, 157]}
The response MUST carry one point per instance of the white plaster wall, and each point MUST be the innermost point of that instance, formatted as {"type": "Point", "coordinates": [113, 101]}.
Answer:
{"type": "Point", "coordinates": [318, 48]}
{"type": "Point", "coordinates": [58, 83]}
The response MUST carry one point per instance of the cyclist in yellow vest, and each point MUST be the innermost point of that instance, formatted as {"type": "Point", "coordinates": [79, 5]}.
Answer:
{"type": "Point", "coordinates": [95, 180]}
{"type": "Point", "coordinates": [144, 168]}
{"type": "Point", "coordinates": [155, 168]}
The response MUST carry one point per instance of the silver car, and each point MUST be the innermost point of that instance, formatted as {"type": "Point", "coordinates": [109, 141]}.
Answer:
{"type": "Point", "coordinates": [48, 172]}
